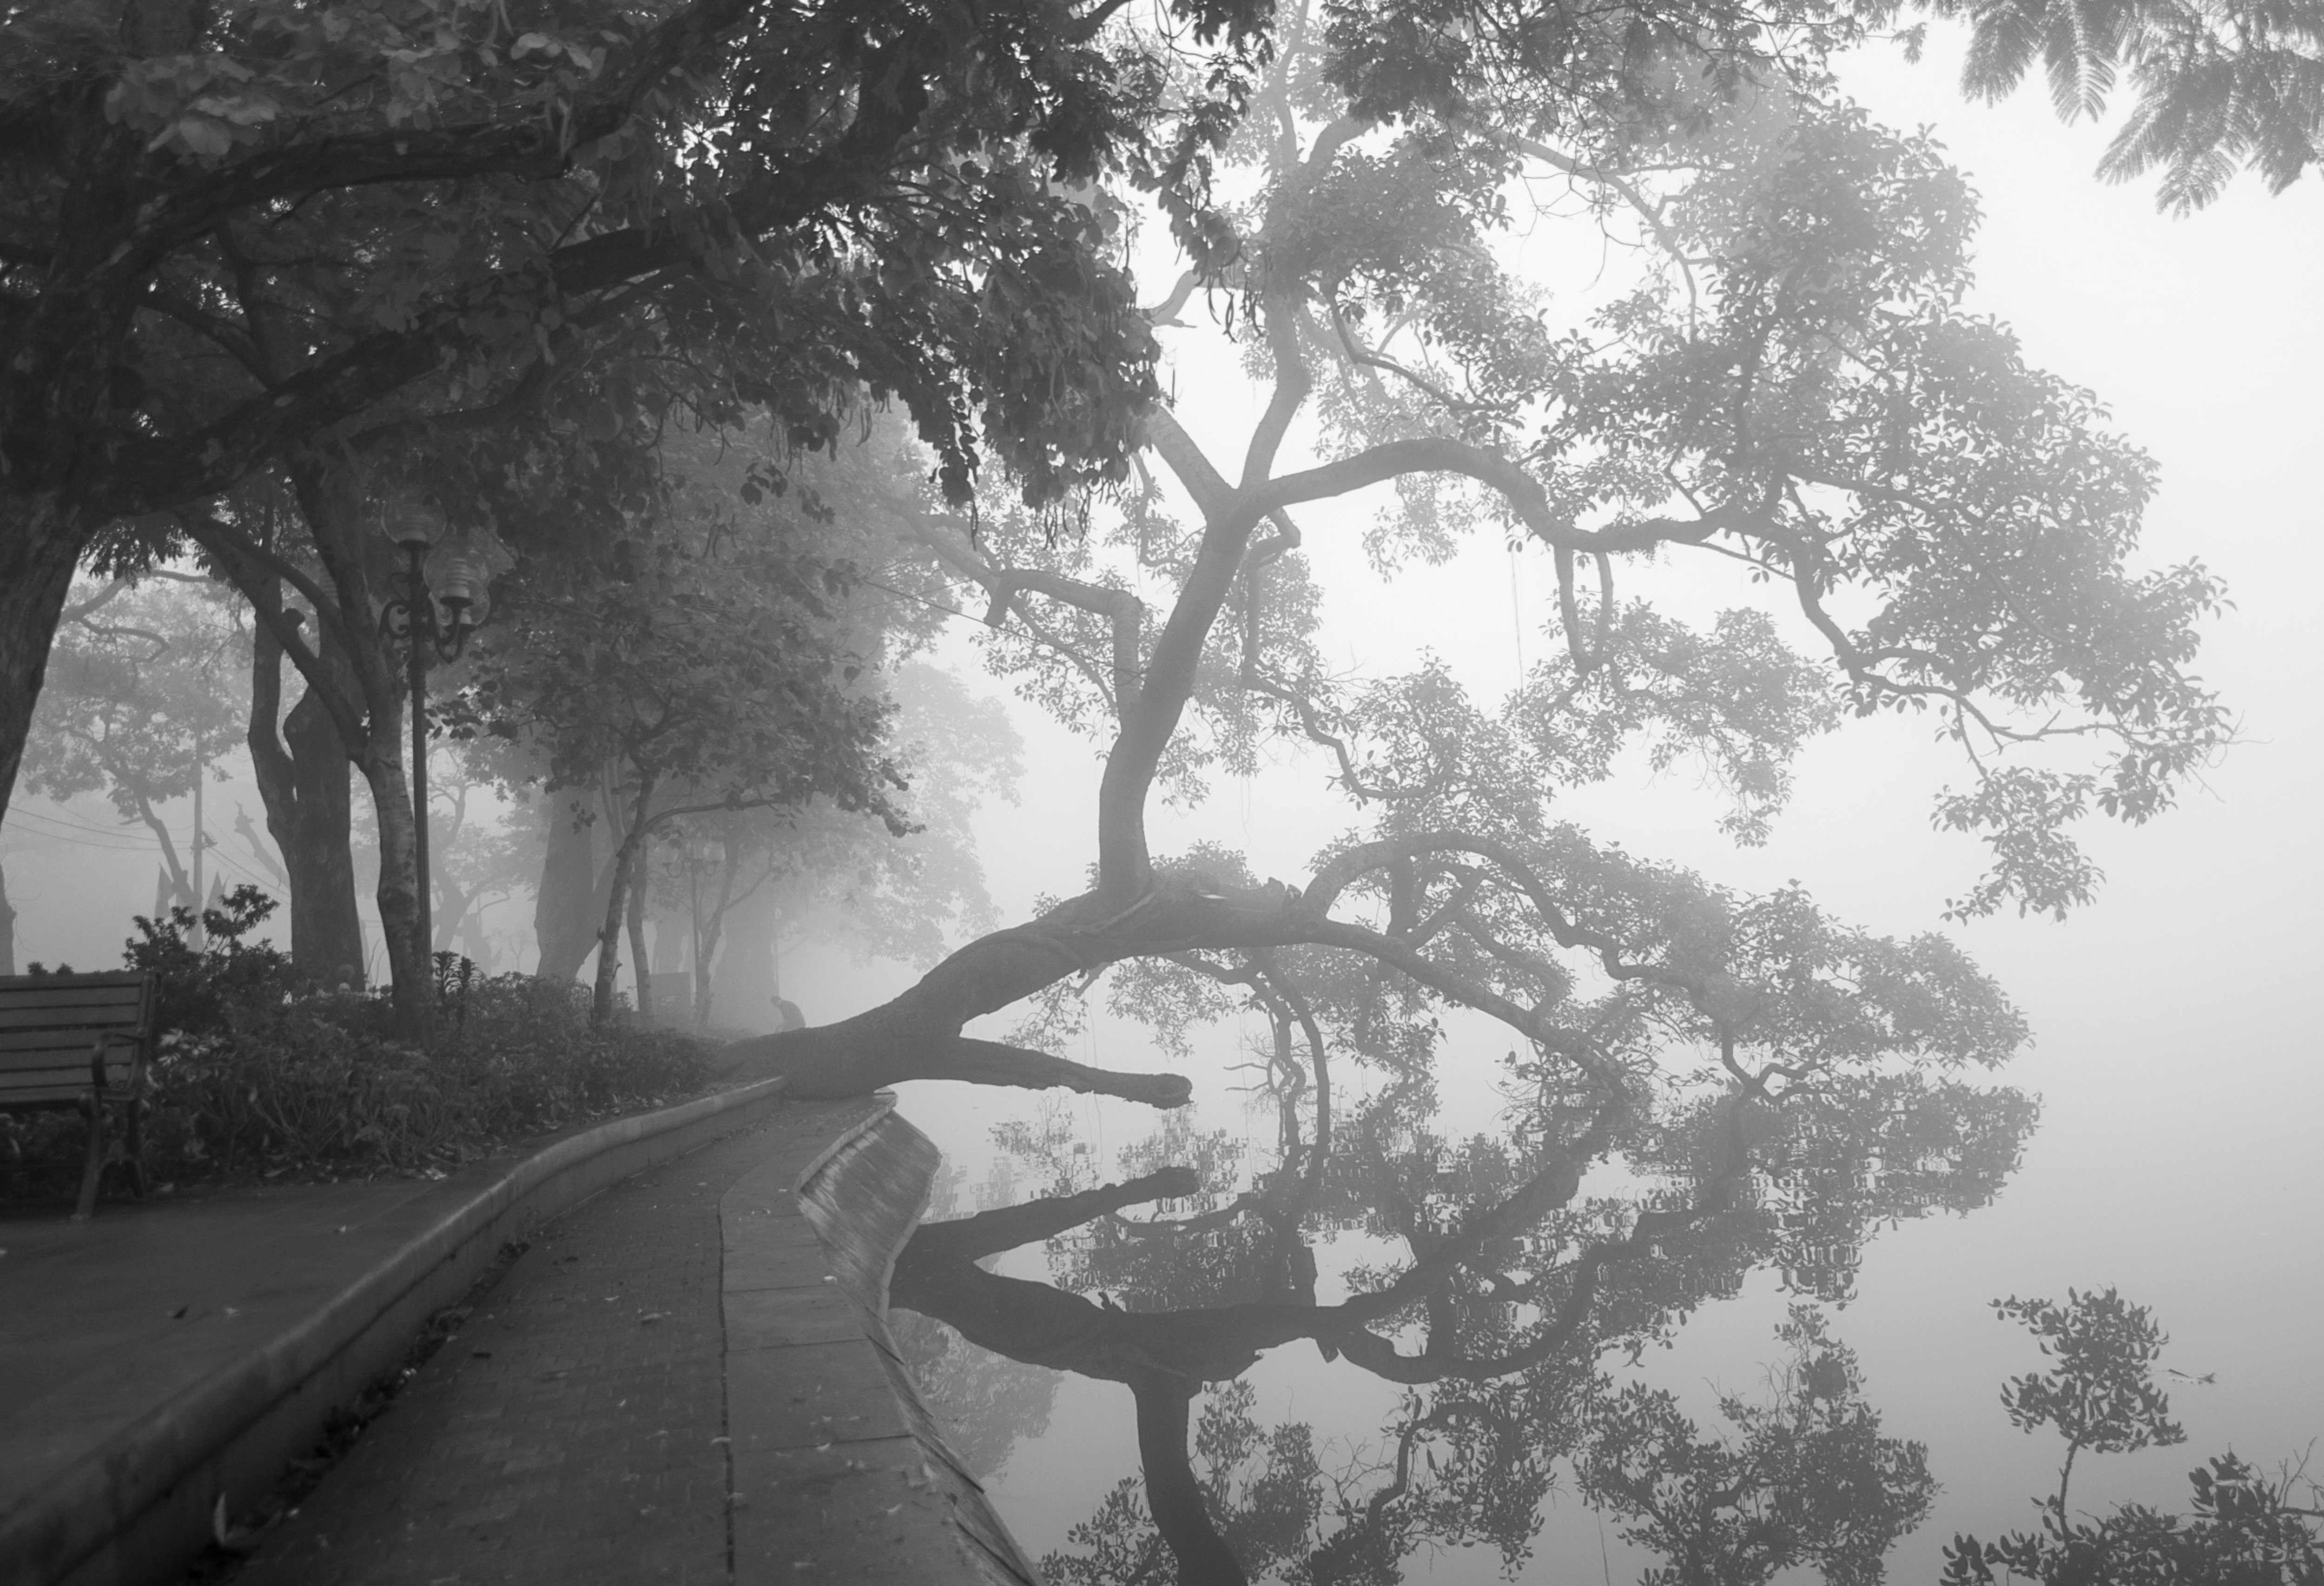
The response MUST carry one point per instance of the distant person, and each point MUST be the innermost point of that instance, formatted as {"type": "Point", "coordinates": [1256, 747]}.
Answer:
{"type": "Point", "coordinates": [788, 1017]}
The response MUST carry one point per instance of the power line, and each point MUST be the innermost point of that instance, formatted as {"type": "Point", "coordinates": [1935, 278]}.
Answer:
{"type": "Point", "coordinates": [68, 834]}
{"type": "Point", "coordinates": [122, 840]}
{"type": "Point", "coordinates": [120, 830]}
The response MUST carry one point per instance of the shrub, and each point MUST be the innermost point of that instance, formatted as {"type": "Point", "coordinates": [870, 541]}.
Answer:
{"type": "Point", "coordinates": [255, 1071]}
{"type": "Point", "coordinates": [200, 988]}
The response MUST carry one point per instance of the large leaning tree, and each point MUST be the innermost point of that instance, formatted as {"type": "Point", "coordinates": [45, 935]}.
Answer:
{"type": "Point", "coordinates": [1787, 383]}
{"type": "Point", "coordinates": [1783, 382]}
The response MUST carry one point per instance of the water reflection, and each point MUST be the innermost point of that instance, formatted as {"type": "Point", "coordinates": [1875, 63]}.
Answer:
{"type": "Point", "coordinates": [1500, 1281]}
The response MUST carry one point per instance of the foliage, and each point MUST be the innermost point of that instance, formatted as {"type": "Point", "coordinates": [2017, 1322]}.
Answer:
{"type": "Point", "coordinates": [1477, 1274]}
{"type": "Point", "coordinates": [1805, 1480]}
{"type": "Point", "coordinates": [1787, 380]}
{"type": "Point", "coordinates": [144, 689]}
{"type": "Point", "coordinates": [315, 1086]}
{"type": "Point", "coordinates": [1259, 1483]}
{"type": "Point", "coordinates": [700, 653]}
{"type": "Point", "coordinates": [487, 197]}
{"type": "Point", "coordinates": [2219, 85]}
{"type": "Point", "coordinates": [699, 670]}
{"type": "Point", "coordinates": [254, 1070]}
{"type": "Point", "coordinates": [2101, 1395]}
{"type": "Point", "coordinates": [818, 865]}
{"type": "Point", "coordinates": [199, 988]}
{"type": "Point", "coordinates": [2244, 1530]}
{"type": "Point", "coordinates": [989, 1403]}
{"type": "Point", "coordinates": [848, 880]}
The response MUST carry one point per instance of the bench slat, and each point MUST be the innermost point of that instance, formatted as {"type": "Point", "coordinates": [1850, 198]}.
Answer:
{"type": "Point", "coordinates": [48, 1025]}
{"type": "Point", "coordinates": [121, 1020]}
{"type": "Point", "coordinates": [74, 1081]}
{"type": "Point", "coordinates": [25, 1059]}
{"type": "Point", "coordinates": [54, 1101]}
{"type": "Point", "coordinates": [40, 992]}
{"type": "Point", "coordinates": [57, 1084]}
{"type": "Point", "coordinates": [61, 1040]}
{"type": "Point", "coordinates": [72, 1076]}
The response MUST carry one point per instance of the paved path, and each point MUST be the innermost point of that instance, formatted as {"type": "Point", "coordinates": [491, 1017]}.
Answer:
{"type": "Point", "coordinates": [574, 1430]}
{"type": "Point", "coordinates": [102, 1322]}
{"type": "Point", "coordinates": [687, 1378]}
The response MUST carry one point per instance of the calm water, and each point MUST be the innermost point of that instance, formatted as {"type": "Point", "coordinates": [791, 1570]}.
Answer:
{"type": "Point", "coordinates": [1488, 1334]}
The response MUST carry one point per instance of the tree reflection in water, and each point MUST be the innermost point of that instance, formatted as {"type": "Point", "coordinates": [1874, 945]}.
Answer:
{"type": "Point", "coordinates": [1617, 1195]}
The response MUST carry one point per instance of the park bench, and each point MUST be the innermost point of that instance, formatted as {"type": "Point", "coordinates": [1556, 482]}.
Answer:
{"type": "Point", "coordinates": [79, 1041]}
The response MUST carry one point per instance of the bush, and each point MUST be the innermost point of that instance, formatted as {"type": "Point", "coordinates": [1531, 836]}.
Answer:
{"type": "Point", "coordinates": [255, 1072]}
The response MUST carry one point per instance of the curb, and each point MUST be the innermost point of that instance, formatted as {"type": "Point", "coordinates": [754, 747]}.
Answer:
{"type": "Point", "coordinates": [837, 1468]}
{"type": "Point", "coordinates": [135, 1508]}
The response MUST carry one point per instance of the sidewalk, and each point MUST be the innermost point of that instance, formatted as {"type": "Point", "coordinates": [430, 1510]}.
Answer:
{"type": "Point", "coordinates": [576, 1428]}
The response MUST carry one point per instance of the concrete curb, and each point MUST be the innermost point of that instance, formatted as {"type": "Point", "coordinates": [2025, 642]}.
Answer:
{"type": "Point", "coordinates": [839, 1473]}
{"type": "Point", "coordinates": [135, 1508]}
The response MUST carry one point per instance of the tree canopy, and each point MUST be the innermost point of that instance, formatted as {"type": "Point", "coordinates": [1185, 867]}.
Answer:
{"type": "Point", "coordinates": [145, 697]}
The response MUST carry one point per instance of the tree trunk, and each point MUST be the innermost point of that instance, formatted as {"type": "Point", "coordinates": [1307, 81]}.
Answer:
{"type": "Point", "coordinates": [453, 906]}
{"type": "Point", "coordinates": [746, 970]}
{"type": "Point", "coordinates": [609, 933]}
{"type": "Point", "coordinates": [304, 781]}
{"type": "Point", "coordinates": [181, 888]}
{"type": "Point", "coordinates": [669, 947]}
{"type": "Point", "coordinates": [1173, 1495]}
{"type": "Point", "coordinates": [411, 973]}
{"type": "Point", "coordinates": [707, 930]}
{"type": "Point", "coordinates": [570, 900]}
{"type": "Point", "coordinates": [475, 943]}
{"type": "Point", "coordinates": [641, 971]}
{"type": "Point", "coordinates": [8, 928]}
{"type": "Point", "coordinates": [333, 506]}
{"type": "Point", "coordinates": [454, 903]}
{"type": "Point", "coordinates": [326, 927]}
{"type": "Point", "coordinates": [38, 554]}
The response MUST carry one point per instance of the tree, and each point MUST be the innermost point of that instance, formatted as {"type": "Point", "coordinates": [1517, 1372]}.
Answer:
{"type": "Point", "coordinates": [1787, 383]}
{"type": "Point", "coordinates": [302, 766]}
{"type": "Point", "coordinates": [265, 234]}
{"type": "Point", "coordinates": [144, 705]}
{"type": "Point", "coordinates": [700, 677]}
{"type": "Point", "coordinates": [1507, 1292]}
{"type": "Point", "coordinates": [2101, 1396]}
{"type": "Point", "coordinates": [336, 254]}
{"type": "Point", "coordinates": [843, 879]}
{"type": "Point", "coordinates": [479, 857]}
{"type": "Point", "coordinates": [2218, 87]}
{"type": "Point", "coordinates": [772, 867]}
{"type": "Point", "coordinates": [1811, 1481]}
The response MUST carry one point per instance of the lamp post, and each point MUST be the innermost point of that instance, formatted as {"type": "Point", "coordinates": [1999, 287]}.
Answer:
{"type": "Point", "coordinates": [418, 532]}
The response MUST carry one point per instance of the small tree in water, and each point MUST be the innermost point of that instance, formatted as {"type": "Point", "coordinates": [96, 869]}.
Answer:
{"type": "Point", "coordinates": [2101, 1396]}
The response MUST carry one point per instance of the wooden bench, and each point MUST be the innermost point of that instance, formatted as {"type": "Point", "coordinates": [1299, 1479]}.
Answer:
{"type": "Point", "coordinates": [79, 1040]}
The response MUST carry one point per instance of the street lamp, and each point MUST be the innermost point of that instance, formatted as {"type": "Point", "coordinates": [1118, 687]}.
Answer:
{"type": "Point", "coordinates": [421, 533]}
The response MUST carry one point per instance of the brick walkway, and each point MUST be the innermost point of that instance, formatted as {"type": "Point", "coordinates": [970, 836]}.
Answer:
{"type": "Point", "coordinates": [572, 1431]}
